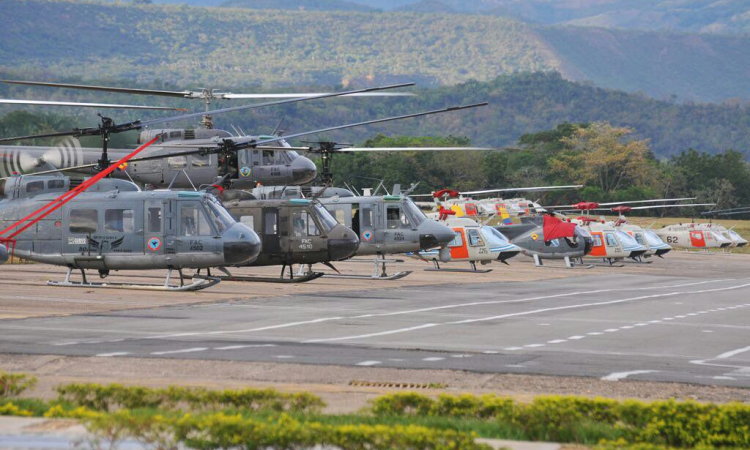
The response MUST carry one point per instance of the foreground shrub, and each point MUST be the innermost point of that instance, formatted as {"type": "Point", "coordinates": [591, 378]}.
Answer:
{"type": "Point", "coordinates": [662, 423]}
{"type": "Point", "coordinates": [13, 384]}
{"type": "Point", "coordinates": [220, 431]}
{"type": "Point", "coordinates": [114, 397]}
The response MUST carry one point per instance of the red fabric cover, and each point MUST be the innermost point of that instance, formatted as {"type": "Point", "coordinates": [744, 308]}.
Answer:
{"type": "Point", "coordinates": [449, 192]}
{"type": "Point", "coordinates": [555, 228]}
{"type": "Point", "coordinates": [622, 209]}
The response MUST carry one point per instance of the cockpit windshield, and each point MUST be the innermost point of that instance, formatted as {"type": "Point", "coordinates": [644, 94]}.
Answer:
{"type": "Point", "coordinates": [416, 216]}
{"type": "Point", "coordinates": [626, 239]}
{"type": "Point", "coordinates": [220, 216]}
{"type": "Point", "coordinates": [735, 236]}
{"type": "Point", "coordinates": [327, 221]}
{"type": "Point", "coordinates": [580, 231]}
{"type": "Point", "coordinates": [652, 239]}
{"type": "Point", "coordinates": [492, 234]}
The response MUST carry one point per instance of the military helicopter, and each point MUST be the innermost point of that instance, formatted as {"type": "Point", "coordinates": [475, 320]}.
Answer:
{"type": "Point", "coordinates": [293, 231]}
{"type": "Point", "coordinates": [386, 224]}
{"type": "Point", "coordinates": [107, 225]}
{"type": "Point", "coordinates": [218, 155]}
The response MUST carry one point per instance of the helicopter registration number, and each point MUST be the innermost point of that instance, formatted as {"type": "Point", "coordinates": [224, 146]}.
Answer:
{"type": "Point", "coordinates": [305, 244]}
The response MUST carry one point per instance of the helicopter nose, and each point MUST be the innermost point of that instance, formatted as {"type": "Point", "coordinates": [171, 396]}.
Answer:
{"type": "Point", "coordinates": [3, 254]}
{"type": "Point", "coordinates": [433, 234]}
{"type": "Point", "coordinates": [241, 245]}
{"type": "Point", "coordinates": [342, 243]}
{"type": "Point", "coordinates": [303, 170]}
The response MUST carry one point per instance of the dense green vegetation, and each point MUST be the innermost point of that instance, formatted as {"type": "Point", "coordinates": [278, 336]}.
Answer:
{"type": "Point", "coordinates": [607, 160]}
{"type": "Point", "coordinates": [265, 418]}
{"type": "Point", "coordinates": [239, 48]}
{"type": "Point", "coordinates": [519, 104]}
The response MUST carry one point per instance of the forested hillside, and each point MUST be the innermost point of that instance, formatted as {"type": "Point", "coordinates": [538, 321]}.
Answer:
{"type": "Point", "coordinates": [714, 16]}
{"type": "Point", "coordinates": [519, 104]}
{"type": "Point", "coordinates": [238, 48]}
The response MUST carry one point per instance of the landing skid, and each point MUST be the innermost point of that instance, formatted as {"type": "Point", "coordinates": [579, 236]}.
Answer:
{"type": "Point", "coordinates": [299, 278]}
{"type": "Point", "coordinates": [473, 269]}
{"type": "Point", "coordinates": [569, 264]}
{"type": "Point", "coordinates": [380, 273]}
{"type": "Point", "coordinates": [199, 283]}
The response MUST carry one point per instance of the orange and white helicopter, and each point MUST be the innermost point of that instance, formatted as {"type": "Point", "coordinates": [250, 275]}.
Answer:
{"type": "Point", "coordinates": [617, 240]}
{"type": "Point", "coordinates": [473, 243]}
{"type": "Point", "coordinates": [693, 236]}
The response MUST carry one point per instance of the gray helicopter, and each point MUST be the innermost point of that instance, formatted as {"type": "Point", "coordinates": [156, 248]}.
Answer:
{"type": "Point", "coordinates": [113, 225]}
{"type": "Point", "coordinates": [385, 224]}
{"type": "Point", "coordinates": [218, 154]}
{"type": "Point", "coordinates": [242, 168]}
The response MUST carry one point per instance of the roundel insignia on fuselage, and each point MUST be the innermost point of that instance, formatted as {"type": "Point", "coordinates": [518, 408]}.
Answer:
{"type": "Point", "coordinates": [154, 244]}
{"type": "Point", "coordinates": [534, 236]}
{"type": "Point", "coordinates": [245, 171]}
{"type": "Point", "coordinates": [367, 236]}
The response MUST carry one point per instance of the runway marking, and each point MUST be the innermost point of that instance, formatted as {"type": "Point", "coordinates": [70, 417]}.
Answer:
{"type": "Point", "coordinates": [491, 352]}
{"type": "Point", "coordinates": [109, 355]}
{"type": "Point", "coordinates": [175, 352]}
{"type": "Point", "coordinates": [617, 376]}
{"type": "Point", "coordinates": [733, 353]}
{"type": "Point", "coordinates": [364, 336]}
{"type": "Point", "coordinates": [531, 312]}
{"type": "Point", "coordinates": [284, 356]}
{"type": "Point", "coordinates": [557, 341]}
{"type": "Point", "coordinates": [575, 338]}
{"type": "Point", "coordinates": [369, 363]}
{"type": "Point", "coordinates": [594, 333]}
{"type": "Point", "coordinates": [461, 356]}
{"type": "Point", "coordinates": [432, 359]}
{"type": "Point", "coordinates": [534, 345]}
{"type": "Point", "coordinates": [238, 347]}
{"type": "Point", "coordinates": [512, 349]}
{"type": "Point", "coordinates": [611, 330]}
{"type": "Point", "coordinates": [434, 308]}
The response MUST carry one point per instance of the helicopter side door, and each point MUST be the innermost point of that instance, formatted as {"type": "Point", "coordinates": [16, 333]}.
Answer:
{"type": "Point", "coordinates": [370, 220]}
{"type": "Point", "coordinates": [269, 167]}
{"type": "Point", "coordinates": [611, 243]}
{"type": "Point", "coordinates": [271, 235]}
{"type": "Point", "coordinates": [458, 246]}
{"type": "Point", "coordinates": [154, 226]}
{"type": "Point", "coordinates": [400, 234]}
{"type": "Point", "coordinates": [476, 244]}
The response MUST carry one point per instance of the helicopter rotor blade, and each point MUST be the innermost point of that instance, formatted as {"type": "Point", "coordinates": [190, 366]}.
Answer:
{"type": "Point", "coordinates": [198, 93]}
{"type": "Point", "coordinates": [135, 125]}
{"type": "Point", "coordinates": [7, 101]}
{"type": "Point", "coordinates": [412, 149]}
{"type": "Point", "coordinates": [181, 94]}
{"type": "Point", "coordinates": [230, 96]}
{"type": "Point", "coordinates": [240, 146]}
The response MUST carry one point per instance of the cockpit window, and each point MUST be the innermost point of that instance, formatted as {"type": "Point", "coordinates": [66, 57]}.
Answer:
{"type": "Point", "coordinates": [626, 239]}
{"type": "Point", "coordinates": [491, 233]}
{"type": "Point", "coordinates": [416, 216]}
{"type": "Point", "coordinates": [193, 221]}
{"type": "Point", "coordinates": [303, 224]}
{"type": "Point", "coordinates": [639, 238]}
{"type": "Point", "coordinates": [327, 222]}
{"type": "Point", "coordinates": [475, 240]}
{"type": "Point", "coordinates": [610, 240]}
{"type": "Point", "coordinates": [396, 218]}
{"type": "Point", "coordinates": [220, 217]}
{"type": "Point", "coordinates": [34, 186]}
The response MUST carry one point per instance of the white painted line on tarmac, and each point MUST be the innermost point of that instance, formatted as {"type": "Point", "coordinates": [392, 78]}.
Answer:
{"type": "Point", "coordinates": [369, 363]}
{"type": "Point", "coordinates": [364, 336]}
{"type": "Point", "coordinates": [432, 359]}
{"type": "Point", "coordinates": [175, 352]}
{"type": "Point", "coordinates": [110, 355]}
{"type": "Point", "coordinates": [513, 349]}
{"type": "Point", "coordinates": [575, 338]}
{"type": "Point", "coordinates": [733, 353]}
{"type": "Point", "coordinates": [611, 330]}
{"type": "Point", "coordinates": [557, 341]}
{"type": "Point", "coordinates": [534, 345]}
{"type": "Point", "coordinates": [594, 333]}
{"type": "Point", "coordinates": [238, 347]}
{"type": "Point", "coordinates": [437, 308]}
{"type": "Point", "coordinates": [617, 376]}
{"type": "Point", "coordinates": [284, 356]}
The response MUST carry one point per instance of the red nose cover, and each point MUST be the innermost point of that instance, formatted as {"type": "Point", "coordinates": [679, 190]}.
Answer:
{"type": "Point", "coordinates": [555, 228]}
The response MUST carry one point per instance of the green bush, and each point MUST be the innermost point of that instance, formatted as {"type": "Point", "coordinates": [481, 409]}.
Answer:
{"type": "Point", "coordinates": [662, 423]}
{"type": "Point", "coordinates": [220, 430]}
{"type": "Point", "coordinates": [114, 396]}
{"type": "Point", "coordinates": [13, 384]}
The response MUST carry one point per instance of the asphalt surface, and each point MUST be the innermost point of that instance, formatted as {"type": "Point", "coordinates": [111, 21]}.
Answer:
{"type": "Point", "coordinates": [685, 326]}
